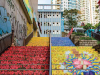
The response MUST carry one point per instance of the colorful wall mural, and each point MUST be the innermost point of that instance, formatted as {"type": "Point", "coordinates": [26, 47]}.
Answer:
{"type": "Point", "coordinates": [5, 24]}
{"type": "Point", "coordinates": [28, 7]}
{"type": "Point", "coordinates": [29, 28]}
{"type": "Point", "coordinates": [75, 61]}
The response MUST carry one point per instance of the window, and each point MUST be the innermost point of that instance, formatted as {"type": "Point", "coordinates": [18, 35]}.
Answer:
{"type": "Point", "coordinates": [41, 23]}
{"type": "Point", "coordinates": [50, 31]}
{"type": "Point", "coordinates": [44, 32]}
{"type": "Point", "coordinates": [44, 16]}
{"type": "Point", "coordinates": [39, 16]}
{"type": "Point", "coordinates": [48, 24]}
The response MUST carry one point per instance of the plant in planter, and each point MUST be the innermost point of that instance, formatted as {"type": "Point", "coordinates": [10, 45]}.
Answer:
{"type": "Point", "coordinates": [77, 36]}
{"type": "Point", "coordinates": [74, 33]}
{"type": "Point", "coordinates": [86, 38]}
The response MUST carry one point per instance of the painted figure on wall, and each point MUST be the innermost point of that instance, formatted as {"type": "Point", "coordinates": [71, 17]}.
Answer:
{"type": "Point", "coordinates": [5, 24]}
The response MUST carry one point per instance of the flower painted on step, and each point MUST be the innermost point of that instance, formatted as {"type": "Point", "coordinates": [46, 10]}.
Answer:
{"type": "Point", "coordinates": [68, 52]}
{"type": "Point", "coordinates": [79, 63]}
{"type": "Point", "coordinates": [62, 67]}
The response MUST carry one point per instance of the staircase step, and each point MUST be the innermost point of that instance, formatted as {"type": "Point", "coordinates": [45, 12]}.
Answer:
{"type": "Point", "coordinates": [61, 41]}
{"type": "Point", "coordinates": [24, 72]}
{"type": "Point", "coordinates": [25, 60]}
{"type": "Point", "coordinates": [78, 60]}
{"type": "Point", "coordinates": [24, 66]}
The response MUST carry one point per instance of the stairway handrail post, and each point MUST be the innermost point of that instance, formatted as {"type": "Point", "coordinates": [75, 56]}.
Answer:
{"type": "Point", "coordinates": [50, 66]}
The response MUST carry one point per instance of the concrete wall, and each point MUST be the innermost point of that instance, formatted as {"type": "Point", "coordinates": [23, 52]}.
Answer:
{"type": "Point", "coordinates": [18, 18]}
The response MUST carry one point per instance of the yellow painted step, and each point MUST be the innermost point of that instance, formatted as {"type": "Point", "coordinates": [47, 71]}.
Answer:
{"type": "Point", "coordinates": [39, 41]}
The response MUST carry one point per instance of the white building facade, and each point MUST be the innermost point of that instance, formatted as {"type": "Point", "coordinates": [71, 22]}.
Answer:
{"type": "Point", "coordinates": [68, 4]}
{"type": "Point", "coordinates": [89, 12]}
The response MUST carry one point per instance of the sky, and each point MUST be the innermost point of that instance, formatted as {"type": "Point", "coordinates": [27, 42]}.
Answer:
{"type": "Point", "coordinates": [44, 1]}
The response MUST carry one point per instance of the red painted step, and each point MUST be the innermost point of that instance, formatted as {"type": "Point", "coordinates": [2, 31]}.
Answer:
{"type": "Point", "coordinates": [25, 60]}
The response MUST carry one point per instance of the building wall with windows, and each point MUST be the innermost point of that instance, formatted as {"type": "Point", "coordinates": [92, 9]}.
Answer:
{"type": "Point", "coordinates": [67, 4]}
{"type": "Point", "coordinates": [50, 22]}
{"type": "Point", "coordinates": [89, 12]}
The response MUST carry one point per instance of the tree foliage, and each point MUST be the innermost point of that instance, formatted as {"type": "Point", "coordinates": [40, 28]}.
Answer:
{"type": "Point", "coordinates": [71, 17]}
{"type": "Point", "coordinates": [88, 26]}
{"type": "Point", "coordinates": [98, 24]}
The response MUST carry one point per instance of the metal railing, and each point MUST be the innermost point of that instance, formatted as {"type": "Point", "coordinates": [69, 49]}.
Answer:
{"type": "Point", "coordinates": [49, 6]}
{"type": "Point", "coordinates": [50, 66]}
{"type": "Point", "coordinates": [96, 35]}
{"type": "Point", "coordinates": [5, 41]}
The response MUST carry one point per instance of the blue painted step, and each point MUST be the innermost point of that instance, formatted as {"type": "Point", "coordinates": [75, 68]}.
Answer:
{"type": "Point", "coordinates": [61, 41]}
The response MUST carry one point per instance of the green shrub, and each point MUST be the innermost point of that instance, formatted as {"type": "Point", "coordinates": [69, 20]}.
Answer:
{"type": "Point", "coordinates": [79, 34]}
{"type": "Point", "coordinates": [87, 38]}
{"type": "Point", "coordinates": [74, 33]}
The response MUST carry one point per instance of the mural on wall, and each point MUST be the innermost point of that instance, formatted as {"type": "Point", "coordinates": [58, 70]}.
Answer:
{"type": "Point", "coordinates": [5, 24]}
{"type": "Point", "coordinates": [28, 7]}
{"type": "Point", "coordinates": [29, 28]}
{"type": "Point", "coordinates": [75, 61]}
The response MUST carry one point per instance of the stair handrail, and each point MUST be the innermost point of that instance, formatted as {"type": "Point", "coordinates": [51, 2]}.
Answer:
{"type": "Point", "coordinates": [68, 35]}
{"type": "Point", "coordinates": [50, 66]}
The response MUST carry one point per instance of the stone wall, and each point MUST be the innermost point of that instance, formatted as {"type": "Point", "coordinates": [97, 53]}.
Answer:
{"type": "Point", "coordinates": [76, 40]}
{"type": "Point", "coordinates": [97, 48]}
{"type": "Point", "coordinates": [64, 34]}
{"type": "Point", "coordinates": [72, 37]}
{"type": "Point", "coordinates": [87, 42]}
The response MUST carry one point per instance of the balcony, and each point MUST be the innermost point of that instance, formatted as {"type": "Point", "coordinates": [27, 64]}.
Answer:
{"type": "Point", "coordinates": [49, 7]}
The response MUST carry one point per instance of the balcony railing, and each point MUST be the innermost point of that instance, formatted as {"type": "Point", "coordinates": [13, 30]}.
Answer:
{"type": "Point", "coordinates": [96, 35]}
{"type": "Point", "coordinates": [49, 7]}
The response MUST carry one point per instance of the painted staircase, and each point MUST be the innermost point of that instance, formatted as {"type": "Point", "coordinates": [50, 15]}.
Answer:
{"type": "Point", "coordinates": [25, 60]}
{"type": "Point", "coordinates": [75, 61]}
{"type": "Point", "coordinates": [39, 41]}
{"type": "Point", "coordinates": [32, 59]}
{"type": "Point", "coordinates": [61, 41]}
